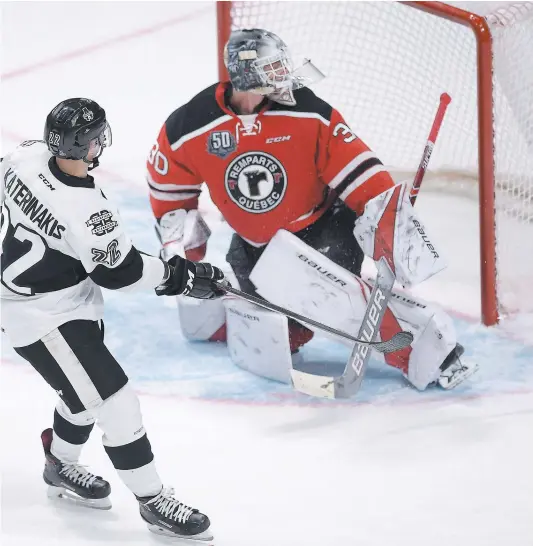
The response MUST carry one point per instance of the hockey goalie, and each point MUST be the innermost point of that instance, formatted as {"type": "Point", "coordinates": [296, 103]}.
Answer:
{"type": "Point", "coordinates": [307, 200]}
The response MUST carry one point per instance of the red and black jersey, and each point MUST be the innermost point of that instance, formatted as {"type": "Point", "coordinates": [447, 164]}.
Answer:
{"type": "Point", "coordinates": [278, 169]}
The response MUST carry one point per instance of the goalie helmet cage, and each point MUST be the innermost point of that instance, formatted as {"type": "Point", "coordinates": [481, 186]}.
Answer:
{"type": "Point", "coordinates": [388, 62]}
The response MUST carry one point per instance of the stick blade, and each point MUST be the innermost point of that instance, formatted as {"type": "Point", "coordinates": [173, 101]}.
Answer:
{"type": "Point", "coordinates": [399, 341]}
{"type": "Point", "coordinates": [319, 386]}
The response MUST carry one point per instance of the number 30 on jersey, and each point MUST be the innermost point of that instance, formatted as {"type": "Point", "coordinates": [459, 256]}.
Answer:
{"type": "Point", "coordinates": [158, 160]}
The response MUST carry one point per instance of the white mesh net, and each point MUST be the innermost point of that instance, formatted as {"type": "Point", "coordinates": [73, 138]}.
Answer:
{"type": "Point", "coordinates": [386, 66]}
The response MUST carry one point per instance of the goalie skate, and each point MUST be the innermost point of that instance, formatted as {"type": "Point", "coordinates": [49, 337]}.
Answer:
{"type": "Point", "coordinates": [455, 369]}
{"type": "Point", "coordinates": [73, 483]}
{"type": "Point", "coordinates": [167, 516]}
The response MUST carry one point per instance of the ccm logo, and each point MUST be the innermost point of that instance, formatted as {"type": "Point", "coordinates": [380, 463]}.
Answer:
{"type": "Point", "coordinates": [368, 332]}
{"type": "Point", "coordinates": [425, 238]}
{"type": "Point", "coordinates": [321, 270]}
{"type": "Point", "coordinates": [278, 139]}
{"type": "Point", "coordinates": [42, 177]}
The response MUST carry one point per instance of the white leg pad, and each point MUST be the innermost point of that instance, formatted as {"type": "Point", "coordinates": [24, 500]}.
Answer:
{"type": "Point", "coordinates": [258, 340]}
{"type": "Point", "coordinates": [429, 349]}
{"type": "Point", "coordinates": [200, 319]}
{"type": "Point", "coordinates": [310, 284]}
{"type": "Point", "coordinates": [314, 286]}
{"type": "Point", "coordinates": [120, 418]}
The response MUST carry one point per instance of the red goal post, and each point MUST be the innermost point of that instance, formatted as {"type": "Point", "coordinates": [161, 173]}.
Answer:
{"type": "Point", "coordinates": [496, 297]}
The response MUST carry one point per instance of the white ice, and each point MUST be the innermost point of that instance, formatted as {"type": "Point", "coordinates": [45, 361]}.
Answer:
{"type": "Point", "coordinates": [269, 466]}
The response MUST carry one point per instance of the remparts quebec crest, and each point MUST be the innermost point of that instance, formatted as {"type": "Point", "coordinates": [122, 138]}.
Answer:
{"type": "Point", "coordinates": [256, 182]}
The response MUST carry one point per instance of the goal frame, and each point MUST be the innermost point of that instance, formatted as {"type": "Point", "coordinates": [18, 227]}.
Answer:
{"type": "Point", "coordinates": [486, 152]}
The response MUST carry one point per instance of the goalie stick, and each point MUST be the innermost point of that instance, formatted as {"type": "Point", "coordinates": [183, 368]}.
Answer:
{"type": "Point", "coordinates": [349, 382]}
{"type": "Point", "coordinates": [395, 343]}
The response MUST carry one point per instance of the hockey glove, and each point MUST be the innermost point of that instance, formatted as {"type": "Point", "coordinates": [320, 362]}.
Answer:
{"type": "Point", "coordinates": [192, 279]}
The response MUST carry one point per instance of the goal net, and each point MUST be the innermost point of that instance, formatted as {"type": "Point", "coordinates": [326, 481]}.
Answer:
{"type": "Point", "coordinates": [387, 64]}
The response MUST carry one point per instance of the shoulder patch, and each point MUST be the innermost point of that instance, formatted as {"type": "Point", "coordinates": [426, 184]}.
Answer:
{"type": "Point", "coordinates": [101, 223]}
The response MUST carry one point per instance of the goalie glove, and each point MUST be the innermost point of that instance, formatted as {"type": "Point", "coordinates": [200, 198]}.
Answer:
{"type": "Point", "coordinates": [183, 233]}
{"type": "Point", "coordinates": [390, 228]}
{"type": "Point", "coordinates": [191, 279]}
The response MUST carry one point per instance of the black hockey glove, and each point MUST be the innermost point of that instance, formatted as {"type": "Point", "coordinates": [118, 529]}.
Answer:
{"type": "Point", "coordinates": [194, 279]}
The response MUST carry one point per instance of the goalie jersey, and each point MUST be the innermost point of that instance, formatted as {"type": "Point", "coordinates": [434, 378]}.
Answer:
{"type": "Point", "coordinates": [280, 168]}
{"type": "Point", "coordinates": [61, 240]}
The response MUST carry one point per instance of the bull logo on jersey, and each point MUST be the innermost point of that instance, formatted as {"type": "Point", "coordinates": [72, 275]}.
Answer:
{"type": "Point", "coordinates": [221, 143]}
{"type": "Point", "coordinates": [101, 223]}
{"type": "Point", "coordinates": [256, 182]}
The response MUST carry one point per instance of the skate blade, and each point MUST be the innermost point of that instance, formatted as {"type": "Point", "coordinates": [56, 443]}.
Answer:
{"type": "Point", "coordinates": [470, 369]}
{"type": "Point", "coordinates": [64, 495]}
{"type": "Point", "coordinates": [201, 538]}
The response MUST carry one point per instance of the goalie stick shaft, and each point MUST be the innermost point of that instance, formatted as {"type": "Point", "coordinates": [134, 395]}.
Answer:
{"type": "Point", "coordinates": [397, 342]}
{"type": "Point", "coordinates": [445, 100]}
{"type": "Point", "coordinates": [350, 381]}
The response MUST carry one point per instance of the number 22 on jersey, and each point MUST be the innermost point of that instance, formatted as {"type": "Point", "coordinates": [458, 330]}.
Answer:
{"type": "Point", "coordinates": [32, 256]}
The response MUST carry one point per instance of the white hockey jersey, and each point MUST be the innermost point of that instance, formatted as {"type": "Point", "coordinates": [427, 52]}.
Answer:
{"type": "Point", "coordinates": [61, 240]}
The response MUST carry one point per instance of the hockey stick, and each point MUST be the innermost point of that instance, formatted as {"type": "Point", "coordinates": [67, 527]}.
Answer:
{"type": "Point", "coordinates": [395, 343]}
{"type": "Point", "coordinates": [445, 100]}
{"type": "Point", "coordinates": [350, 381]}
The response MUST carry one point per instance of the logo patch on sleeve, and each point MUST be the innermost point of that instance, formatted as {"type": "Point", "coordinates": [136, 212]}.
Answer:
{"type": "Point", "coordinates": [101, 223]}
{"type": "Point", "coordinates": [221, 144]}
{"type": "Point", "coordinates": [110, 256]}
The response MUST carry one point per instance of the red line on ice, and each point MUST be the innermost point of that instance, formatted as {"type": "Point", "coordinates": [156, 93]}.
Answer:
{"type": "Point", "coordinates": [106, 43]}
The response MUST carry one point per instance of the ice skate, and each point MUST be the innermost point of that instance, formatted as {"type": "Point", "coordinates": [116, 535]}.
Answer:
{"type": "Point", "coordinates": [167, 516]}
{"type": "Point", "coordinates": [73, 482]}
{"type": "Point", "coordinates": [455, 370]}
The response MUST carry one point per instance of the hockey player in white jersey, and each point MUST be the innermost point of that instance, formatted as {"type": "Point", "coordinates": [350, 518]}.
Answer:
{"type": "Point", "coordinates": [62, 240]}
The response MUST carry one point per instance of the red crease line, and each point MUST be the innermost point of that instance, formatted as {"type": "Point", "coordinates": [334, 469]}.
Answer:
{"type": "Point", "coordinates": [102, 45]}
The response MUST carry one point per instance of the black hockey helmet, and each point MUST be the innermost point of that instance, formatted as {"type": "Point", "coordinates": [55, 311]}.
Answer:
{"type": "Point", "coordinates": [259, 61]}
{"type": "Point", "coordinates": [73, 125]}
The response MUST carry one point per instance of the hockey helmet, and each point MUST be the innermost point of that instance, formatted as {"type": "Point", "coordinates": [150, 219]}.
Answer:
{"type": "Point", "coordinates": [75, 125]}
{"type": "Point", "coordinates": [259, 61]}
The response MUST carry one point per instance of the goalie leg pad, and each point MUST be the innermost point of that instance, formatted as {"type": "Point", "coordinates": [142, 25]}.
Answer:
{"type": "Point", "coordinates": [310, 284]}
{"type": "Point", "coordinates": [430, 348]}
{"type": "Point", "coordinates": [314, 286]}
{"type": "Point", "coordinates": [202, 320]}
{"type": "Point", "coordinates": [258, 340]}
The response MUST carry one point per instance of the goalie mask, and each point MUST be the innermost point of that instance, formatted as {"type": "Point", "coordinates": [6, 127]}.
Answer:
{"type": "Point", "coordinates": [258, 61]}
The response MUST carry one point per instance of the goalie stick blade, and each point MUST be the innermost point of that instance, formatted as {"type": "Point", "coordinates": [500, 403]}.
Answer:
{"type": "Point", "coordinates": [319, 386]}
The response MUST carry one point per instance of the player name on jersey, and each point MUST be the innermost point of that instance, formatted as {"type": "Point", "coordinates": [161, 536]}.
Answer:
{"type": "Point", "coordinates": [30, 205]}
